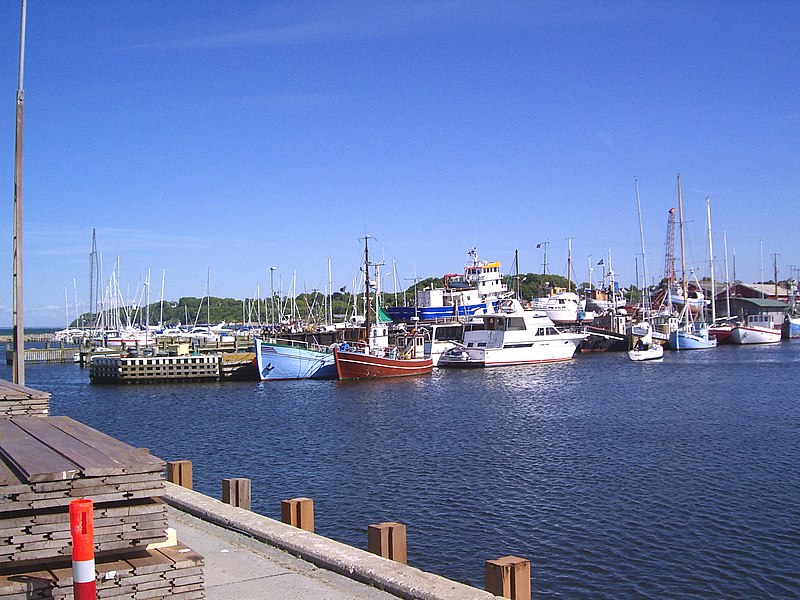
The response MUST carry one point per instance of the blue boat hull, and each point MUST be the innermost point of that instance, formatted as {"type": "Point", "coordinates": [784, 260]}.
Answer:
{"type": "Point", "coordinates": [791, 328]}
{"type": "Point", "coordinates": [406, 314]}
{"type": "Point", "coordinates": [277, 361]}
{"type": "Point", "coordinates": [682, 340]}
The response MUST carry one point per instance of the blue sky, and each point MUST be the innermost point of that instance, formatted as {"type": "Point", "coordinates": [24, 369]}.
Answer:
{"type": "Point", "coordinates": [235, 136]}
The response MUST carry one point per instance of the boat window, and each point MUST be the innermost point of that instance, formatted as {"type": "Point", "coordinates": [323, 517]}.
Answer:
{"type": "Point", "coordinates": [515, 324]}
{"type": "Point", "coordinates": [448, 333]}
{"type": "Point", "coordinates": [540, 331]}
{"type": "Point", "coordinates": [551, 331]}
{"type": "Point", "coordinates": [481, 344]}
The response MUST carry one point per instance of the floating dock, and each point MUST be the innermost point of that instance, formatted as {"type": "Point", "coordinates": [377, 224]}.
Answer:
{"type": "Point", "coordinates": [151, 369]}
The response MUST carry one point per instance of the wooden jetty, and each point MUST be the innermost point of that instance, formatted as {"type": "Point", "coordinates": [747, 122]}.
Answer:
{"type": "Point", "coordinates": [150, 369]}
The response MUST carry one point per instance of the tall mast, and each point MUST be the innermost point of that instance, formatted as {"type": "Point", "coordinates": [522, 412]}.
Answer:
{"type": "Point", "coordinates": [727, 280]}
{"type": "Point", "coordinates": [645, 298]}
{"type": "Point", "coordinates": [367, 314]}
{"type": "Point", "coordinates": [18, 368]}
{"type": "Point", "coordinates": [711, 258]}
{"type": "Point", "coordinates": [683, 251]}
{"type": "Point", "coordinates": [329, 316]}
{"type": "Point", "coordinates": [569, 264]}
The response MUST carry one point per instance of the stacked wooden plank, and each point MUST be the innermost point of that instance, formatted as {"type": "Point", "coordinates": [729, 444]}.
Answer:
{"type": "Point", "coordinates": [17, 400]}
{"type": "Point", "coordinates": [45, 463]}
{"type": "Point", "coordinates": [174, 572]}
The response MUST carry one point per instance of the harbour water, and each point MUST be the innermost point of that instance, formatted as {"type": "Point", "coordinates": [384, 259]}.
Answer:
{"type": "Point", "coordinates": [672, 479]}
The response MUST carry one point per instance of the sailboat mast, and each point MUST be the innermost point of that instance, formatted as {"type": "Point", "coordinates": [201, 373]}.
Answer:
{"type": "Point", "coordinates": [330, 294]}
{"type": "Point", "coordinates": [711, 258]}
{"type": "Point", "coordinates": [569, 264]}
{"type": "Point", "coordinates": [683, 250]}
{"type": "Point", "coordinates": [645, 295]}
{"type": "Point", "coordinates": [727, 280]}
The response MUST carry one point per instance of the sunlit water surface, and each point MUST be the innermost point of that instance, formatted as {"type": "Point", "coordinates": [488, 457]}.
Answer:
{"type": "Point", "coordinates": [673, 479]}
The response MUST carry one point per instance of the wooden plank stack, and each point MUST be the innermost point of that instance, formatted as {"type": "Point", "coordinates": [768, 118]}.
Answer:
{"type": "Point", "coordinates": [17, 400]}
{"type": "Point", "coordinates": [45, 463]}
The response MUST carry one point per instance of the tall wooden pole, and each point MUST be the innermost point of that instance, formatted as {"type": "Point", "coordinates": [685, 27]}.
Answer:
{"type": "Point", "coordinates": [18, 331]}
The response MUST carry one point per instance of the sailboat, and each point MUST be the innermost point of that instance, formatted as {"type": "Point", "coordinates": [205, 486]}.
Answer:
{"type": "Point", "coordinates": [642, 346]}
{"type": "Point", "coordinates": [692, 333]}
{"type": "Point", "coordinates": [376, 358]}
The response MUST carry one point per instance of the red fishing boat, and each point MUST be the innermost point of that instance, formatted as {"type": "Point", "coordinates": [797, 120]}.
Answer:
{"type": "Point", "coordinates": [376, 357]}
{"type": "Point", "coordinates": [405, 358]}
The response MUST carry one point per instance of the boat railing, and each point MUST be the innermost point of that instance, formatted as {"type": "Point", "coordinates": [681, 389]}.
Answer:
{"type": "Point", "coordinates": [299, 344]}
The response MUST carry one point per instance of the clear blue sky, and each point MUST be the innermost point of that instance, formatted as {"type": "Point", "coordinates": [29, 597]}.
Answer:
{"type": "Point", "coordinates": [235, 136]}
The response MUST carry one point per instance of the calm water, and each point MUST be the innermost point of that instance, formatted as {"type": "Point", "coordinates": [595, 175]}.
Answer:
{"type": "Point", "coordinates": [676, 479]}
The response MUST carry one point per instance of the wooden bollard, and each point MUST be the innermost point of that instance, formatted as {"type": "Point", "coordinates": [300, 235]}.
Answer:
{"type": "Point", "coordinates": [236, 492]}
{"type": "Point", "coordinates": [509, 577]}
{"type": "Point", "coordinates": [180, 472]}
{"type": "Point", "coordinates": [388, 540]}
{"type": "Point", "coordinates": [298, 512]}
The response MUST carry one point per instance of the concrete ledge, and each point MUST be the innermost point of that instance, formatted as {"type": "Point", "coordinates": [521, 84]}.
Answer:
{"type": "Point", "coordinates": [401, 580]}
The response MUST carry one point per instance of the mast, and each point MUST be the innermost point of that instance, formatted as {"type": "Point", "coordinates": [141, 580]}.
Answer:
{"type": "Point", "coordinates": [18, 331]}
{"type": "Point", "coordinates": [711, 258]}
{"type": "Point", "coordinates": [646, 296]}
{"type": "Point", "coordinates": [329, 316]}
{"type": "Point", "coordinates": [367, 314]}
{"type": "Point", "coordinates": [727, 280]}
{"type": "Point", "coordinates": [569, 264]}
{"type": "Point", "coordinates": [161, 309]}
{"type": "Point", "coordinates": [775, 268]}
{"type": "Point", "coordinates": [544, 263]}
{"type": "Point", "coordinates": [516, 270]}
{"type": "Point", "coordinates": [683, 251]}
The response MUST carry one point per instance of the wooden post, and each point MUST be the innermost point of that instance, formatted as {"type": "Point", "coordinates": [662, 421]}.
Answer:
{"type": "Point", "coordinates": [236, 492]}
{"type": "Point", "coordinates": [388, 540]}
{"type": "Point", "coordinates": [180, 472]}
{"type": "Point", "coordinates": [509, 577]}
{"type": "Point", "coordinates": [298, 512]}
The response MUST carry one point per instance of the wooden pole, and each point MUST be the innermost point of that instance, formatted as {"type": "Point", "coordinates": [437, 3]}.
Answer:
{"type": "Point", "coordinates": [298, 512]}
{"type": "Point", "coordinates": [18, 329]}
{"type": "Point", "coordinates": [509, 577]}
{"type": "Point", "coordinates": [180, 473]}
{"type": "Point", "coordinates": [236, 492]}
{"type": "Point", "coordinates": [388, 540]}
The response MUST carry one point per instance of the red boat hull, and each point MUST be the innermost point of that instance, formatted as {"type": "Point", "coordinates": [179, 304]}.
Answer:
{"type": "Point", "coordinates": [355, 365]}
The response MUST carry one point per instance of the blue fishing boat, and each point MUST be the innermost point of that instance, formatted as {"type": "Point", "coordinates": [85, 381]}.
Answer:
{"type": "Point", "coordinates": [476, 291]}
{"type": "Point", "coordinates": [288, 359]}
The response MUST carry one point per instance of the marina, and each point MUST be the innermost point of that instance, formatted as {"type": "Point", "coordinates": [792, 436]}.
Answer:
{"type": "Point", "coordinates": [676, 484]}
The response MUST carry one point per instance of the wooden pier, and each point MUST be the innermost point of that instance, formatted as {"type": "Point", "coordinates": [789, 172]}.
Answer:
{"type": "Point", "coordinates": [48, 354]}
{"type": "Point", "coordinates": [150, 369]}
